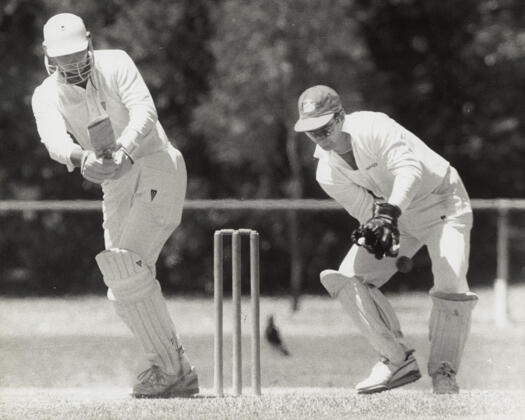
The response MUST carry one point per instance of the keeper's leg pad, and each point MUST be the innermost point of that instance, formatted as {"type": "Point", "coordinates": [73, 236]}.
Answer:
{"type": "Point", "coordinates": [357, 300]}
{"type": "Point", "coordinates": [449, 327]}
{"type": "Point", "coordinates": [389, 317]}
{"type": "Point", "coordinates": [138, 300]}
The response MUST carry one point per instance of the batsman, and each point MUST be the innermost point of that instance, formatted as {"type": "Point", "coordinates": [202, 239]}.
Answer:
{"type": "Point", "coordinates": [404, 196]}
{"type": "Point", "coordinates": [94, 112]}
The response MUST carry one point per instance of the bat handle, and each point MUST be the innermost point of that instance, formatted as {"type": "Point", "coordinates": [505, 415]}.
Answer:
{"type": "Point", "coordinates": [107, 153]}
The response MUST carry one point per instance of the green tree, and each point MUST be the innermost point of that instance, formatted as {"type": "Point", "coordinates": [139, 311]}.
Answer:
{"type": "Point", "coordinates": [453, 72]}
{"type": "Point", "coordinates": [168, 41]}
{"type": "Point", "coordinates": [267, 53]}
{"type": "Point", "coordinates": [225, 76]}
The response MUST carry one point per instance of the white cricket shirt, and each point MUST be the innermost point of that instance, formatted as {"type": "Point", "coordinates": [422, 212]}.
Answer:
{"type": "Point", "coordinates": [392, 164]}
{"type": "Point", "coordinates": [116, 88]}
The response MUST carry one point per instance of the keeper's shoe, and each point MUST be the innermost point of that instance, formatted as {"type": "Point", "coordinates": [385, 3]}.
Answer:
{"type": "Point", "coordinates": [444, 380]}
{"type": "Point", "coordinates": [385, 375]}
{"type": "Point", "coordinates": [154, 383]}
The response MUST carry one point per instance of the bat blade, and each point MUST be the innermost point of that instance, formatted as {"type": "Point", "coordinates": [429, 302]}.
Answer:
{"type": "Point", "coordinates": [102, 137]}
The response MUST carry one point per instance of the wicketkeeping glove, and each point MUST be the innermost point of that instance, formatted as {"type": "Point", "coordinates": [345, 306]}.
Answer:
{"type": "Point", "coordinates": [380, 235]}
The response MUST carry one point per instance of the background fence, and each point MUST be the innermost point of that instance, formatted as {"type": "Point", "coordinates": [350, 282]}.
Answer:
{"type": "Point", "coordinates": [500, 207]}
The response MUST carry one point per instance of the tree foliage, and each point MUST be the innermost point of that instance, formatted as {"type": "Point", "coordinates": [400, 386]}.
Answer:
{"type": "Point", "coordinates": [266, 54]}
{"type": "Point", "coordinates": [225, 76]}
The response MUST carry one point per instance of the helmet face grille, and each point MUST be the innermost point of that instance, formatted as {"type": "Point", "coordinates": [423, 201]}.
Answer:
{"type": "Point", "coordinates": [71, 73]}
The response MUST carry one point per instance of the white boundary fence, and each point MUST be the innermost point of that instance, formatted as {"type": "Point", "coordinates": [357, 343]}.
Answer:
{"type": "Point", "coordinates": [501, 206]}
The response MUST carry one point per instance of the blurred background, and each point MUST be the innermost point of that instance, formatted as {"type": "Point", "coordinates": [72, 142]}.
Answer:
{"type": "Point", "coordinates": [225, 76]}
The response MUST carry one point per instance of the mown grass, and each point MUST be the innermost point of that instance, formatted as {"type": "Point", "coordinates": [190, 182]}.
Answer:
{"type": "Point", "coordinates": [72, 358]}
{"type": "Point", "coordinates": [290, 403]}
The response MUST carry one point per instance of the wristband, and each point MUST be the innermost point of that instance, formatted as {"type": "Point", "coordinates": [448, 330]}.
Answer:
{"type": "Point", "coordinates": [127, 154]}
{"type": "Point", "coordinates": [83, 160]}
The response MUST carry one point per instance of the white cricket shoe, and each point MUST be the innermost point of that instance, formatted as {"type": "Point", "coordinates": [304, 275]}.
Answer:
{"type": "Point", "coordinates": [444, 380]}
{"type": "Point", "coordinates": [154, 383]}
{"type": "Point", "coordinates": [385, 375]}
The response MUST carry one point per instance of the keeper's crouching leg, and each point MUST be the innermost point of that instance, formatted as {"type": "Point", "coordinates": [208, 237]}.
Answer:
{"type": "Point", "coordinates": [358, 301]}
{"type": "Point", "coordinates": [376, 319]}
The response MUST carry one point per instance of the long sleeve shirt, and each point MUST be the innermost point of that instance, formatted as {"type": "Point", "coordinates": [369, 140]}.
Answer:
{"type": "Point", "coordinates": [116, 88]}
{"type": "Point", "coordinates": [392, 165]}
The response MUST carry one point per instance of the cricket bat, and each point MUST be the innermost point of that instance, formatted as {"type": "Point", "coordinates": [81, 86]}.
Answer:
{"type": "Point", "coordinates": [102, 136]}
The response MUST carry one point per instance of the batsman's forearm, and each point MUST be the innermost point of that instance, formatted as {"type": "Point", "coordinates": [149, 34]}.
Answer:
{"type": "Point", "coordinates": [130, 141]}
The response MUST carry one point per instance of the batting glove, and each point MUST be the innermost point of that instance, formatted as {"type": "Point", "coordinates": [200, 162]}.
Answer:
{"type": "Point", "coordinates": [95, 169]}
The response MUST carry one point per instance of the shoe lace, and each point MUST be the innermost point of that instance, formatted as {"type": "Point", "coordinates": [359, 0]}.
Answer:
{"type": "Point", "coordinates": [152, 375]}
{"type": "Point", "coordinates": [446, 370]}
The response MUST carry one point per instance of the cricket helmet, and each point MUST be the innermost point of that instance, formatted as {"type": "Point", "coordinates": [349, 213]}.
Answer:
{"type": "Point", "coordinates": [317, 106]}
{"type": "Point", "coordinates": [66, 34]}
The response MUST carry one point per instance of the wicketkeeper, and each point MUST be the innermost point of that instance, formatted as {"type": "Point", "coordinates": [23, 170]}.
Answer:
{"type": "Point", "coordinates": [404, 196]}
{"type": "Point", "coordinates": [94, 112]}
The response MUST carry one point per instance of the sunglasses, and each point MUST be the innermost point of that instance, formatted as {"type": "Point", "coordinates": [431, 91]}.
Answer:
{"type": "Point", "coordinates": [327, 129]}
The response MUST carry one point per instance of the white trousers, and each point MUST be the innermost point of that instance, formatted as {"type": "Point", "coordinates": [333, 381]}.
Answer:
{"type": "Point", "coordinates": [141, 211]}
{"type": "Point", "coordinates": [143, 208]}
{"type": "Point", "coordinates": [443, 223]}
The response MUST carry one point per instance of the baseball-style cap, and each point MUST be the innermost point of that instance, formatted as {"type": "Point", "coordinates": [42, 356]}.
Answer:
{"type": "Point", "coordinates": [317, 106]}
{"type": "Point", "coordinates": [65, 34]}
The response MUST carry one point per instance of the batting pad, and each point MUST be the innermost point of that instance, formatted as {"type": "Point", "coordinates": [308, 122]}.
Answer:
{"type": "Point", "coordinates": [368, 313]}
{"type": "Point", "coordinates": [450, 321]}
{"type": "Point", "coordinates": [138, 300]}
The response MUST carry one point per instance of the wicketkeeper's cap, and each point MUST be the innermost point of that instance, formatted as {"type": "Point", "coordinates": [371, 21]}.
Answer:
{"type": "Point", "coordinates": [317, 106]}
{"type": "Point", "coordinates": [65, 34]}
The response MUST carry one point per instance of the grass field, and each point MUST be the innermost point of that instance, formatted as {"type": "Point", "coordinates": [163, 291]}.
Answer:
{"type": "Point", "coordinates": [73, 359]}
